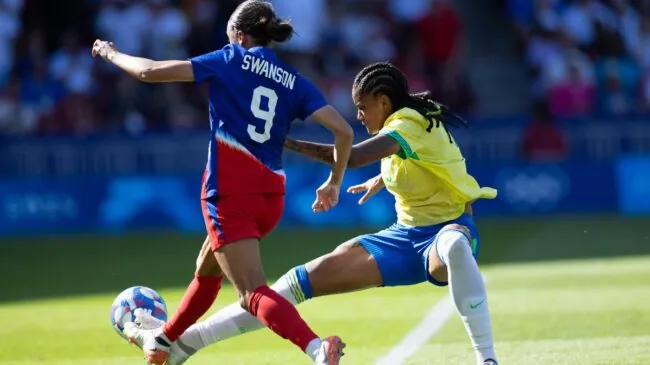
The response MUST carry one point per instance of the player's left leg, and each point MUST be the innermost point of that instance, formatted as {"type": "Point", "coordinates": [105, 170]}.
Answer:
{"type": "Point", "coordinates": [238, 255]}
{"type": "Point", "coordinates": [451, 259]}
{"type": "Point", "coordinates": [198, 298]}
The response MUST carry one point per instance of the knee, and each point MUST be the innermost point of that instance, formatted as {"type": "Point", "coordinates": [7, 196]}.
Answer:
{"type": "Point", "coordinates": [329, 261]}
{"type": "Point", "coordinates": [249, 299]}
{"type": "Point", "coordinates": [207, 266]}
{"type": "Point", "coordinates": [206, 262]}
{"type": "Point", "coordinates": [244, 300]}
{"type": "Point", "coordinates": [453, 241]}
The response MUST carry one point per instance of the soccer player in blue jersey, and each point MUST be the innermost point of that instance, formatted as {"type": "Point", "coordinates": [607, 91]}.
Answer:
{"type": "Point", "coordinates": [253, 99]}
{"type": "Point", "coordinates": [434, 238]}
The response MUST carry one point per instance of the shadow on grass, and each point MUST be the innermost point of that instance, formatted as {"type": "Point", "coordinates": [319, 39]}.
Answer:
{"type": "Point", "coordinates": [37, 268]}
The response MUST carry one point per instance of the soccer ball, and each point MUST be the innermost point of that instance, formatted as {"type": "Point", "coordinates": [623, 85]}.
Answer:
{"type": "Point", "coordinates": [122, 310]}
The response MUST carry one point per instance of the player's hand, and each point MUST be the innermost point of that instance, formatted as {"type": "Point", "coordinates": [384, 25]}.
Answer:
{"type": "Point", "coordinates": [104, 49]}
{"type": "Point", "coordinates": [327, 196]}
{"type": "Point", "coordinates": [370, 187]}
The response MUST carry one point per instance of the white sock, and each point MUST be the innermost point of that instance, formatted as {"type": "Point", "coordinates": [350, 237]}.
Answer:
{"type": "Point", "coordinates": [467, 291]}
{"type": "Point", "coordinates": [232, 320]}
{"type": "Point", "coordinates": [313, 347]}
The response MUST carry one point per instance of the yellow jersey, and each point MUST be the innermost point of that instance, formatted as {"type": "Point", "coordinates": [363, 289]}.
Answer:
{"type": "Point", "coordinates": [428, 178]}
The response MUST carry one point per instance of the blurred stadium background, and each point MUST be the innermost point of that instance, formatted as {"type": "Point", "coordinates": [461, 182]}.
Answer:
{"type": "Point", "coordinates": [100, 175]}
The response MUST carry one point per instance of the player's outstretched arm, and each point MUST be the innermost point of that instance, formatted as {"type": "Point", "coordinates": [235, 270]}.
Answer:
{"type": "Point", "coordinates": [144, 69]}
{"type": "Point", "coordinates": [343, 138]}
{"type": "Point", "coordinates": [364, 153]}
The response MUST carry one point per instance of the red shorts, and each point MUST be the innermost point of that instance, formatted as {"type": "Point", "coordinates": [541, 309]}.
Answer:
{"type": "Point", "coordinates": [235, 217]}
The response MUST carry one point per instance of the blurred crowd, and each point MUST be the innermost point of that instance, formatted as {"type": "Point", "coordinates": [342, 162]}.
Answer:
{"type": "Point", "coordinates": [50, 85]}
{"type": "Point", "coordinates": [586, 57]}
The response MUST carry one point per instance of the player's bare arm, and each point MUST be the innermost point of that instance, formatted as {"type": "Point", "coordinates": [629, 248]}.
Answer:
{"type": "Point", "coordinates": [145, 69]}
{"type": "Point", "coordinates": [364, 153]}
{"type": "Point", "coordinates": [343, 138]}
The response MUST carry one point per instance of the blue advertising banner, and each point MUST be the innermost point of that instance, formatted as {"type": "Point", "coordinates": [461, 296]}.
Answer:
{"type": "Point", "coordinates": [548, 188]}
{"type": "Point", "coordinates": [634, 184]}
{"type": "Point", "coordinates": [123, 203]}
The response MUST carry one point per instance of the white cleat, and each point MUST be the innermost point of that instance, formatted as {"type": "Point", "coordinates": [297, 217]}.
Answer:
{"type": "Point", "coordinates": [331, 351]}
{"type": "Point", "coordinates": [179, 352]}
{"type": "Point", "coordinates": [155, 352]}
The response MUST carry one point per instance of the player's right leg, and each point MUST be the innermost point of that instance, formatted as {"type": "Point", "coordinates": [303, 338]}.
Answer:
{"type": "Point", "coordinates": [451, 260]}
{"type": "Point", "coordinates": [242, 265]}
{"type": "Point", "coordinates": [243, 220]}
{"type": "Point", "coordinates": [365, 262]}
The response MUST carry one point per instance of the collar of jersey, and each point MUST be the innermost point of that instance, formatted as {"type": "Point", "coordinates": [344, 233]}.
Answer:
{"type": "Point", "coordinates": [404, 113]}
{"type": "Point", "coordinates": [263, 50]}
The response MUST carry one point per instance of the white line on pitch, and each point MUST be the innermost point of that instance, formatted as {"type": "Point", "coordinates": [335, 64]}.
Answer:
{"type": "Point", "coordinates": [431, 324]}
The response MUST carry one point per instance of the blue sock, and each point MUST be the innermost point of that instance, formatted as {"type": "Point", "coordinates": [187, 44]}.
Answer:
{"type": "Point", "coordinates": [298, 280]}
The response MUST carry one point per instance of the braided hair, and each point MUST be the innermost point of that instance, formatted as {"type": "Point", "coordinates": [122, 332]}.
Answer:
{"type": "Point", "coordinates": [384, 78]}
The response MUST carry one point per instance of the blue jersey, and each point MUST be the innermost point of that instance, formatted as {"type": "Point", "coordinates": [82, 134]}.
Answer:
{"type": "Point", "coordinates": [253, 99]}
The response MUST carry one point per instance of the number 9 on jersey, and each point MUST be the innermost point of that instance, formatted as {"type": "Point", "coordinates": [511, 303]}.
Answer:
{"type": "Point", "coordinates": [265, 115]}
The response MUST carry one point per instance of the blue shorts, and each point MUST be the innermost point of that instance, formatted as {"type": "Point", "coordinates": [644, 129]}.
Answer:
{"type": "Point", "coordinates": [402, 252]}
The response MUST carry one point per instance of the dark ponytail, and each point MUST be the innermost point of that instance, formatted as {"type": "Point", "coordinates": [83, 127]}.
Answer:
{"type": "Point", "coordinates": [279, 30]}
{"type": "Point", "coordinates": [257, 18]}
{"type": "Point", "coordinates": [384, 78]}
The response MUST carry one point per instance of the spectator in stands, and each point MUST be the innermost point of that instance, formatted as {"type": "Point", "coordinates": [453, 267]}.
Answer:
{"type": "Point", "coordinates": [30, 51]}
{"type": "Point", "coordinates": [58, 83]}
{"type": "Point", "coordinates": [617, 97]}
{"type": "Point", "coordinates": [123, 112]}
{"type": "Point", "coordinates": [579, 22]}
{"type": "Point", "coordinates": [40, 91]}
{"type": "Point", "coordinates": [405, 14]}
{"type": "Point", "coordinates": [72, 65]}
{"type": "Point", "coordinates": [167, 31]}
{"type": "Point", "coordinates": [547, 17]}
{"type": "Point", "coordinates": [627, 23]}
{"type": "Point", "coordinates": [207, 27]}
{"type": "Point", "coordinates": [309, 19]}
{"type": "Point", "coordinates": [10, 26]}
{"type": "Point", "coordinates": [15, 118]}
{"type": "Point", "coordinates": [573, 96]}
{"type": "Point", "coordinates": [543, 140]}
{"type": "Point", "coordinates": [639, 43]}
{"type": "Point", "coordinates": [522, 13]}
{"type": "Point", "coordinates": [556, 60]}
{"type": "Point", "coordinates": [364, 32]}
{"type": "Point", "coordinates": [74, 115]}
{"type": "Point", "coordinates": [124, 22]}
{"type": "Point", "coordinates": [440, 35]}
{"type": "Point", "coordinates": [644, 97]}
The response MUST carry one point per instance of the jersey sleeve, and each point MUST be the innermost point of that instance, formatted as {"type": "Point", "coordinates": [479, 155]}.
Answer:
{"type": "Point", "coordinates": [212, 65]}
{"type": "Point", "coordinates": [407, 133]}
{"type": "Point", "coordinates": [311, 99]}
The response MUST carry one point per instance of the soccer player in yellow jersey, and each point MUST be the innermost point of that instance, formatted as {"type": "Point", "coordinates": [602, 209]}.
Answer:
{"type": "Point", "coordinates": [434, 239]}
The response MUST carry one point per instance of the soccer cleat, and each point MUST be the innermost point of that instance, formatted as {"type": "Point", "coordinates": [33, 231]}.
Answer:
{"type": "Point", "coordinates": [156, 351]}
{"type": "Point", "coordinates": [490, 362]}
{"type": "Point", "coordinates": [331, 350]}
{"type": "Point", "coordinates": [179, 352]}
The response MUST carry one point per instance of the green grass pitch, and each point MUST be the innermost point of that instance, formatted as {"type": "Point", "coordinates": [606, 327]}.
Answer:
{"type": "Point", "coordinates": [567, 291]}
